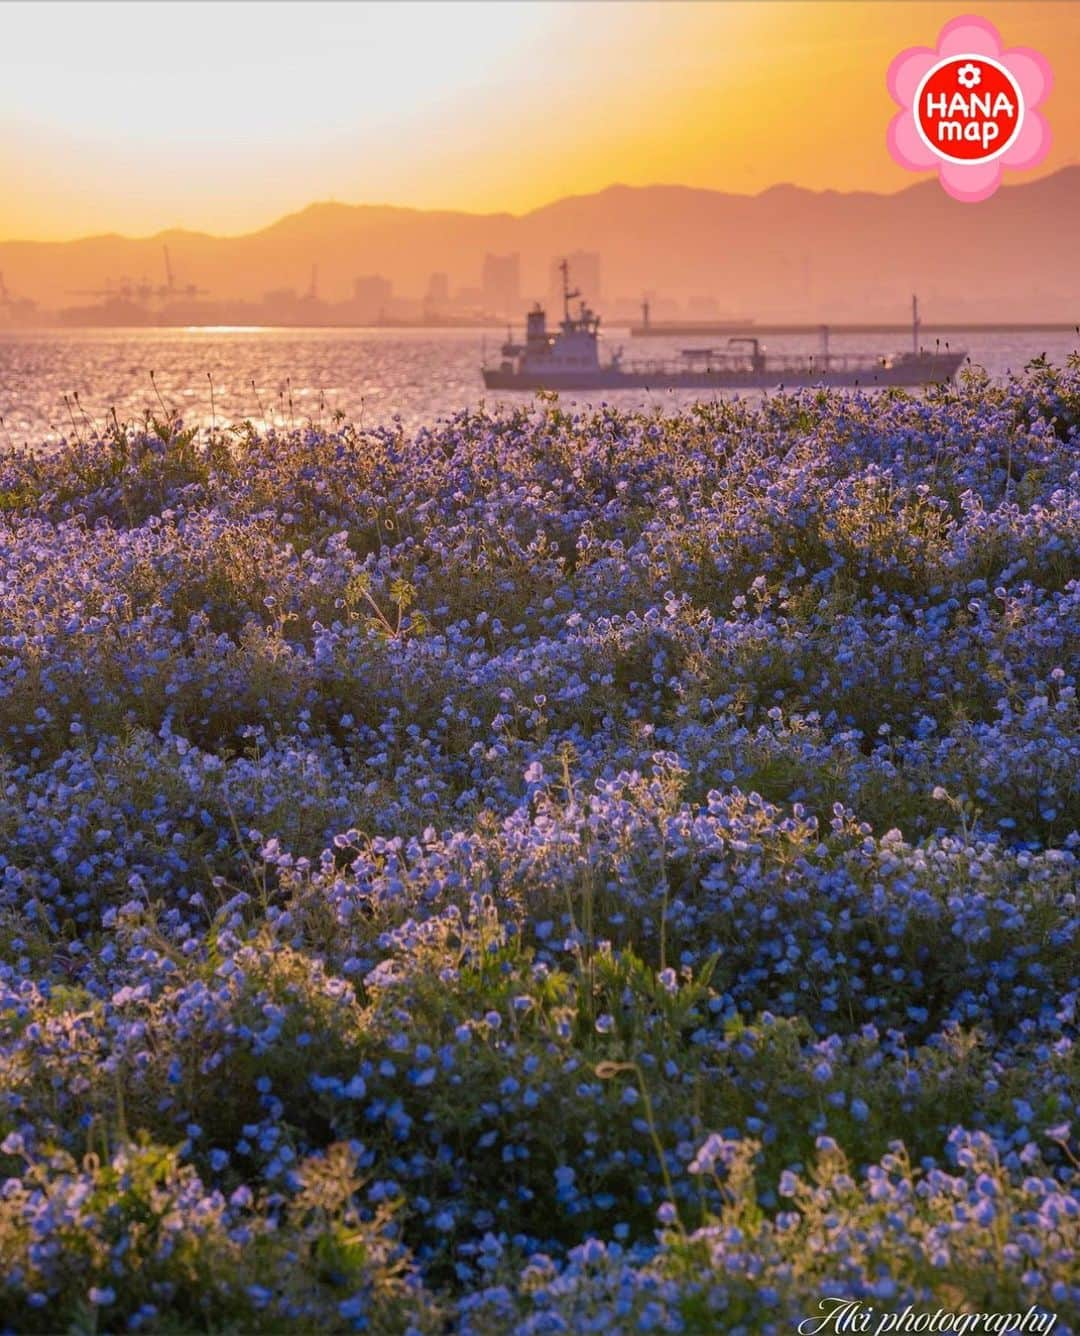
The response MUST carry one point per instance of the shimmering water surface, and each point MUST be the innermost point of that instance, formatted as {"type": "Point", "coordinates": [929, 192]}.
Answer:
{"type": "Point", "coordinates": [371, 375]}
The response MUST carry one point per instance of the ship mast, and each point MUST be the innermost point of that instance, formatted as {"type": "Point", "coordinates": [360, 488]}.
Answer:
{"type": "Point", "coordinates": [567, 295]}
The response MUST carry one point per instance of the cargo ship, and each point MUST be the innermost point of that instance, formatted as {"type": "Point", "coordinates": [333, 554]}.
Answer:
{"type": "Point", "coordinates": [569, 359]}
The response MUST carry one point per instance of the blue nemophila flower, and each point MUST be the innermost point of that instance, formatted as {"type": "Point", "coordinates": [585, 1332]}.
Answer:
{"type": "Point", "coordinates": [425, 843]}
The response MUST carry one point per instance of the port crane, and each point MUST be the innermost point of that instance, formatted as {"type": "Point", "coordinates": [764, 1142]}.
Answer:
{"type": "Point", "coordinates": [143, 292]}
{"type": "Point", "coordinates": [117, 290]}
{"type": "Point", "coordinates": [189, 291]}
{"type": "Point", "coordinates": [13, 303]}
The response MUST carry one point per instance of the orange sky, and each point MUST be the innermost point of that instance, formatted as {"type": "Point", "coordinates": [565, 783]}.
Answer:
{"type": "Point", "coordinates": [222, 116]}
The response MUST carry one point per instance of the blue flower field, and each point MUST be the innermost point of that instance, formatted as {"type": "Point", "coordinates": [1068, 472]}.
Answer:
{"type": "Point", "coordinates": [570, 871]}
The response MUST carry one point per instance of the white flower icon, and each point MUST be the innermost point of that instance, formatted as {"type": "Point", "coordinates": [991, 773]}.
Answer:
{"type": "Point", "coordinates": [969, 75]}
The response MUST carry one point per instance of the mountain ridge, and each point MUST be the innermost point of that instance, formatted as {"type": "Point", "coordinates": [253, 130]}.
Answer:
{"type": "Point", "coordinates": [1070, 171]}
{"type": "Point", "coordinates": [786, 250]}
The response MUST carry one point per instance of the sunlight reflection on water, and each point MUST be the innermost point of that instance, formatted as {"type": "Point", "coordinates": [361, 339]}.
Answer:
{"type": "Point", "coordinates": [369, 375]}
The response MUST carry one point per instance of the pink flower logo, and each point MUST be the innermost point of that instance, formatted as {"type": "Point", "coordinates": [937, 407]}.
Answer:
{"type": "Point", "coordinates": [968, 108]}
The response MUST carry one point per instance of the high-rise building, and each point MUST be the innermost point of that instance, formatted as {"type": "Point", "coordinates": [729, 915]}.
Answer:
{"type": "Point", "coordinates": [437, 296]}
{"type": "Point", "coordinates": [371, 296]}
{"type": "Point", "coordinates": [501, 284]}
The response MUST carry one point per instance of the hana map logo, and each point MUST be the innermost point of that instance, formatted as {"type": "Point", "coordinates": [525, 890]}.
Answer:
{"type": "Point", "coordinates": [968, 108]}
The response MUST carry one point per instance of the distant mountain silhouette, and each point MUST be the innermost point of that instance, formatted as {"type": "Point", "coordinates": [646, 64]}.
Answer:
{"type": "Point", "coordinates": [787, 252]}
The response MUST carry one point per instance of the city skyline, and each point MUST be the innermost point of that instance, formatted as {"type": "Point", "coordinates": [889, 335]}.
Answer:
{"type": "Point", "coordinates": [785, 254]}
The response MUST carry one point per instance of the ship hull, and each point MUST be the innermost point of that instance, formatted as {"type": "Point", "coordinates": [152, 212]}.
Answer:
{"type": "Point", "coordinates": [910, 373]}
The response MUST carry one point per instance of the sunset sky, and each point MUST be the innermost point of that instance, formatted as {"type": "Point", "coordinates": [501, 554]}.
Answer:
{"type": "Point", "coordinates": [222, 116]}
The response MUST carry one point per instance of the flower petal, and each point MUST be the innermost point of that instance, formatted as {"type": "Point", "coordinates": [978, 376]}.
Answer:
{"type": "Point", "coordinates": [971, 182]}
{"type": "Point", "coordinates": [1031, 71]}
{"type": "Point", "coordinates": [1032, 144]}
{"type": "Point", "coordinates": [905, 72]}
{"type": "Point", "coordinates": [969, 35]}
{"type": "Point", "coordinates": [907, 147]}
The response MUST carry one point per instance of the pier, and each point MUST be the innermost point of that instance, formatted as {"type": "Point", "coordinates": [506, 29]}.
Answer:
{"type": "Point", "coordinates": [664, 329]}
